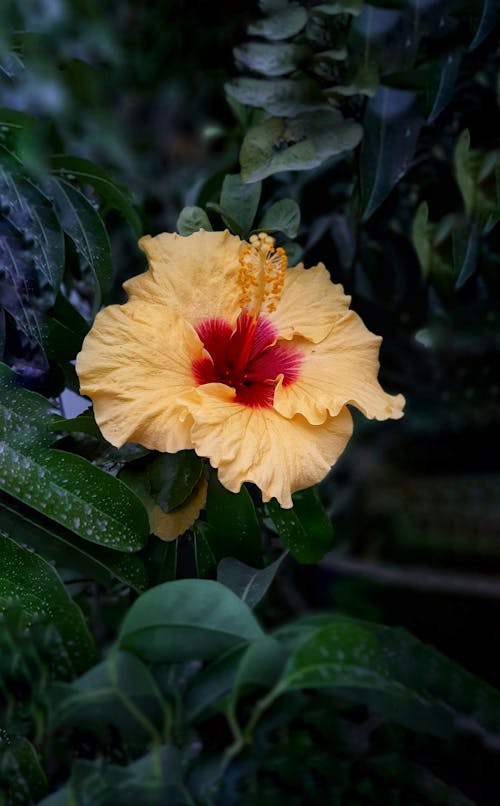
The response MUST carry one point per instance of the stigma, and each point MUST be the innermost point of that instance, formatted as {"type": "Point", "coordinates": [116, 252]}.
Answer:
{"type": "Point", "coordinates": [262, 275]}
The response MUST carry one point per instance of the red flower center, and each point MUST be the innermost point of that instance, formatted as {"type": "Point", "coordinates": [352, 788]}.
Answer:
{"type": "Point", "coordinates": [245, 359]}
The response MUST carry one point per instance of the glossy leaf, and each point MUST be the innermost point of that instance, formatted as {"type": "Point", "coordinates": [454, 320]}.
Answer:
{"type": "Point", "coordinates": [186, 620]}
{"type": "Point", "coordinates": [83, 224]}
{"type": "Point", "coordinates": [28, 580]}
{"type": "Point", "coordinates": [283, 216]}
{"type": "Point", "coordinates": [234, 527]}
{"type": "Point", "coordinates": [392, 124]}
{"type": "Point", "coordinates": [277, 144]}
{"type": "Point", "coordinates": [64, 331]}
{"type": "Point", "coordinates": [62, 486]}
{"type": "Point", "coordinates": [306, 529]}
{"type": "Point", "coordinates": [250, 584]}
{"type": "Point", "coordinates": [116, 196]}
{"type": "Point", "coordinates": [64, 549]}
{"type": "Point", "coordinates": [173, 477]}
{"type": "Point", "coordinates": [192, 219]}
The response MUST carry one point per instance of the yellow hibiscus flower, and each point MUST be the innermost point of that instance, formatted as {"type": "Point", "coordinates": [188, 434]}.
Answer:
{"type": "Point", "coordinates": [224, 349]}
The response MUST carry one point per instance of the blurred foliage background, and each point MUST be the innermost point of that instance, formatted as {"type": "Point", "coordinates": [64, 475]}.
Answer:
{"type": "Point", "coordinates": [376, 127]}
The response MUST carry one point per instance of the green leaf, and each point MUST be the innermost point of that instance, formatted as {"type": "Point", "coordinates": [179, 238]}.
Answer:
{"type": "Point", "coordinates": [62, 486]}
{"type": "Point", "coordinates": [120, 691]}
{"type": "Point", "coordinates": [22, 779]}
{"type": "Point", "coordinates": [465, 254]}
{"type": "Point", "coordinates": [261, 664]}
{"type": "Point", "coordinates": [186, 620]}
{"type": "Point", "coordinates": [392, 125]}
{"type": "Point", "coordinates": [213, 684]}
{"type": "Point", "coordinates": [116, 196]}
{"type": "Point", "coordinates": [306, 529]}
{"type": "Point", "coordinates": [277, 144]}
{"type": "Point", "coordinates": [283, 216]}
{"type": "Point", "coordinates": [83, 224]}
{"type": "Point", "coordinates": [84, 423]}
{"type": "Point", "coordinates": [204, 556]}
{"type": "Point", "coordinates": [395, 674]}
{"type": "Point", "coordinates": [352, 7]}
{"type": "Point", "coordinates": [234, 527]}
{"type": "Point", "coordinates": [64, 549]}
{"type": "Point", "coordinates": [276, 59]}
{"type": "Point", "coordinates": [443, 79]}
{"type": "Point", "coordinates": [64, 331]}
{"type": "Point", "coordinates": [283, 97]}
{"type": "Point", "coordinates": [239, 203]}
{"type": "Point", "coordinates": [250, 584]}
{"type": "Point", "coordinates": [282, 24]}
{"type": "Point", "coordinates": [173, 477]}
{"type": "Point", "coordinates": [192, 219]}
{"type": "Point", "coordinates": [28, 580]}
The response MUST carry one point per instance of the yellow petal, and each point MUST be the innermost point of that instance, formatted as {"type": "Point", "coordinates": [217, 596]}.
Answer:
{"type": "Point", "coordinates": [279, 455]}
{"type": "Point", "coordinates": [197, 275]}
{"type": "Point", "coordinates": [309, 305]}
{"type": "Point", "coordinates": [170, 525]}
{"type": "Point", "coordinates": [341, 369]}
{"type": "Point", "coordinates": [135, 364]}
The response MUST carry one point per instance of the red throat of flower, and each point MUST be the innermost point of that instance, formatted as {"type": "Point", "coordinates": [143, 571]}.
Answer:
{"type": "Point", "coordinates": [247, 358]}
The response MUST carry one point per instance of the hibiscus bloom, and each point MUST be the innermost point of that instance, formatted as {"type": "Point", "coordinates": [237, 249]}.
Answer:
{"type": "Point", "coordinates": [224, 349]}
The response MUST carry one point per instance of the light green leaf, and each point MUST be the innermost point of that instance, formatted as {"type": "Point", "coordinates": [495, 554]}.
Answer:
{"type": "Point", "coordinates": [192, 219]}
{"type": "Point", "coordinates": [283, 97]}
{"type": "Point", "coordinates": [116, 196]}
{"type": "Point", "coordinates": [185, 620]}
{"type": "Point", "coordinates": [28, 580]}
{"type": "Point", "coordinates": [276, 59]}
{"type": "Point", "coordinates": [284, 216]}
{"type": "Point", "coordinates": [277, 144]}
{"type": "Point", "coordinates": [282, 24]}
{"type": "Point", "coordinates": [62, 486]}
{"type": "Point", "coordinates": [239, 203]}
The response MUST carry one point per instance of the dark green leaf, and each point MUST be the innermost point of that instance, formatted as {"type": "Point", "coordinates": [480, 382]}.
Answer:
{"type": "Point", "coordinates": [282, 24]}
{"type": "Point", "coordinates": [28, 580]}
{"type": "Point", "coordinates": [64, 331]}
{"type": "Point", "coordinates": [250, 584]}
{"type": "Point", "coordinates": [116, 196]}
{"type": "Point", "coordinates": [443, 79]}
{"type": "Point", "coordinates": [83, 224]}
{"type": "Point", "coordinates": [22, 779]}
{"type": "Point", "coordinates": [306, 529]}
{"type": "Point", "coordinates": [283, 216]}
{"type": "Point", "coordinates": [239, 203]}
{"type": "Point", "coordinates": [64, 549]}
{"type": "Point", "coordinates": [277, 144]}
{"type": "Point", "coordinates": [392, 124]}
{"type": "Point", "coordinates": [487, 21]}
{"type": "Point", "coordinates": [62, 486]}
{"type": "Point", "coordinates": [173, 477]}
{"type": "Point", "coordinates": [205, 560]}
{"type": "Point", "coordinates": [465, 254]}
{"type": "Point", "coordinates": [84, 423]}
{"type": "Point", "coordinates": [234, 527]}
{"type": "Point", "coordinates": [352, 7]}
{"type": "Point", "coordinates": [192, 219]}
{"type": "Point", "coordinates": [186, 620]}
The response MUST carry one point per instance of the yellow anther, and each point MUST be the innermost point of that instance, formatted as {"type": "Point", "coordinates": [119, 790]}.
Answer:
{"type": "Point", "coordinates": [262, 269]}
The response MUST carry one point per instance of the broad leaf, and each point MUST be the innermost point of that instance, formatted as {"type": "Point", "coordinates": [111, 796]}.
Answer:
{"type": "Point", "coordinates": [29, 581]}
{"type": "Point", "coordinates": [305, 529]}
{"type": "Point", "coordinates": [234, 527]}
{"type": "Point", "coordinates": [192, 219]}
{"type": "Point", "coordinates": [186, 620]}
{"type": "Point", "coordinates": [306, 141]}
{"type": "Point", "coordinates": [283, 216]}
{"type": "Point", "coordinates": [239, 203]}
{"type": "Point", "coordinates": [282, 24]}
{"type": "Point", "coordinates": [62, 486]}
{"type": "Point", "coordinates": [281, 97]}
{"type": "Point", "coordinates": [250, 584]}
{"type": "Point", "coordinates": [276, 59]}
{"type": "Point", "coordinates": [22, 779]}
